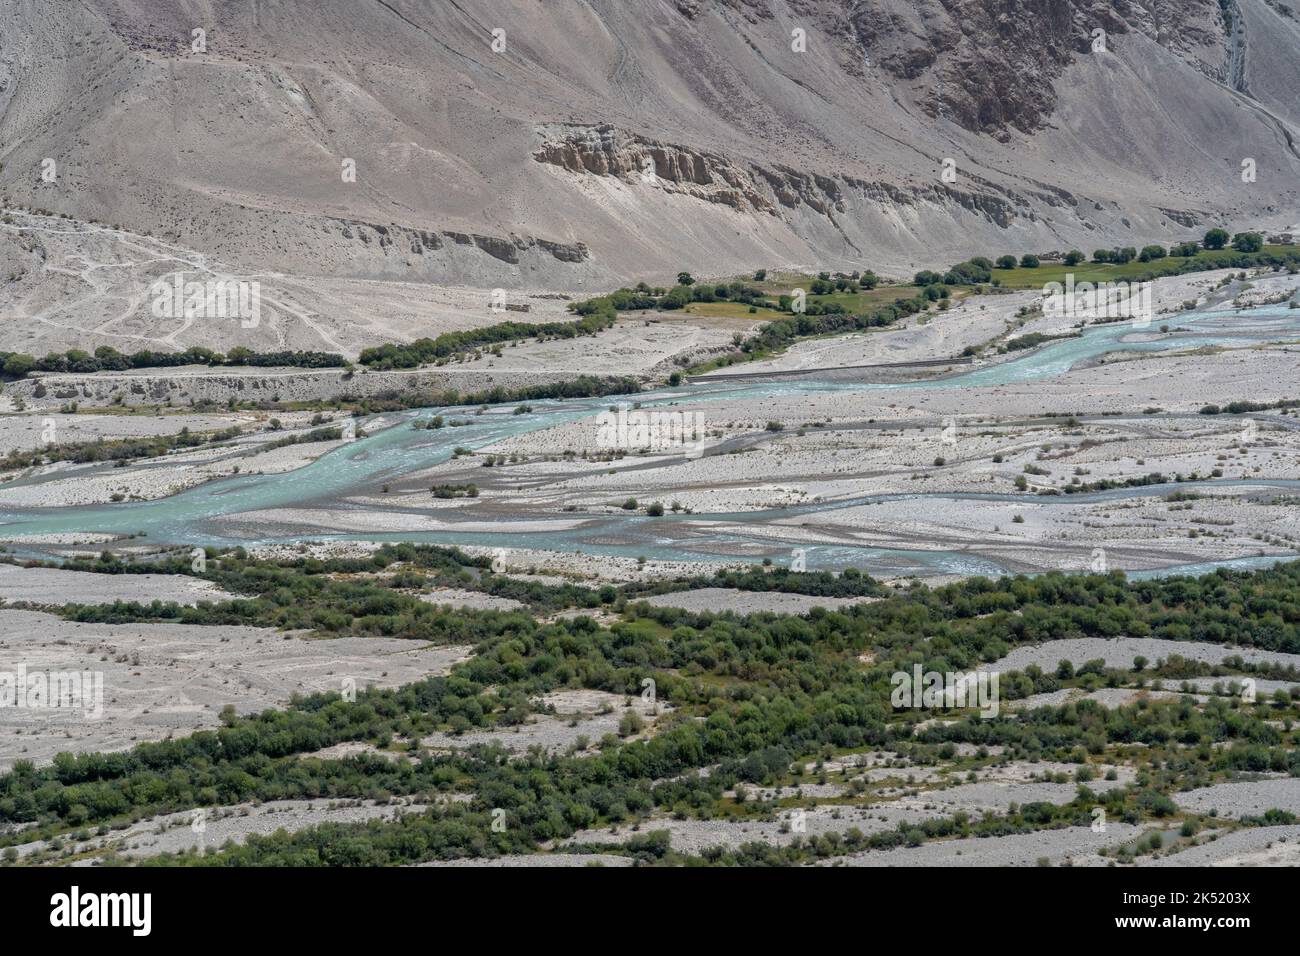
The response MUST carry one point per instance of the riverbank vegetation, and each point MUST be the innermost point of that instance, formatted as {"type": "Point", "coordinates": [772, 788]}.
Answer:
{"type": "Point", "coordinates": [15, 365]}
{"type": "Point", "coordinates": [124, 450]}
{"type": "Point", "coordinates": [757, 699]}
{"type": "Point", "coordinates": [800, 306]}
{"type": "Point", "coordinates": [1128, 264]}
{"type": "Point", "coordinates": [426, 351]}
{"type": "Point", "coordinates": [117, 450]}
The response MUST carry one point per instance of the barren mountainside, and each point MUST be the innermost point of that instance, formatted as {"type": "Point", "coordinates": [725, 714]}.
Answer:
{"type": "Point", "coordinates": [601, 140]}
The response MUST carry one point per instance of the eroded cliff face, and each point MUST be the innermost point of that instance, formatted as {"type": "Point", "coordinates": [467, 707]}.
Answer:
{"type": "Point", "coordinates": [606, 151]}
{"type": "Point", "coordinates": [755, 188]}
{"type": "Point", "coordinates": [418, 242]}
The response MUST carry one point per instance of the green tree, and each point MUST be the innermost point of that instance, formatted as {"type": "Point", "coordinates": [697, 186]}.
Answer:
{"type": "Point", "coordinates": [1248, 242]}
{"type": "Point", "coordinates": [678, 298]}
{"type": "Point", "coordinates": [1216, 239]}
{"type": "Point", "coordinates": [18, 364]}
{"type": "Point", "coordinates": [630, 724]}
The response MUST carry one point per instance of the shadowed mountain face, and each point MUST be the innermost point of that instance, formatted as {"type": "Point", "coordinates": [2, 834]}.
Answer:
{"type": "Point", "coordinates": [589, 141]}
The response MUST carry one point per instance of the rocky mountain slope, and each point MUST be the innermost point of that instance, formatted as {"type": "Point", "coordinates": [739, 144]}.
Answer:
{"type": "Point", "coordinates": [572, 143]}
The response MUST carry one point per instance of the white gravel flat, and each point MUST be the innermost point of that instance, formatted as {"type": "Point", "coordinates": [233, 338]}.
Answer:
{"type": "Point", "coordinates": [1244, 797]}
{"type": "Point", "coordinates": [695, 836]}
{"type": "Point", "coordinates": [577, 714]}
{"type": "Point", "coordinates": [1077, 845]}
{"type": "Point", "coordinates": [56, 586]}
{"type": "Point", "coordinates": [749, 602]}
{"type": "Point", "coordinates": [161, 679]}
{"type": "Point", "coordinates": [1251, 846]}
{"type": "Point", "coordinates": [1120, 652]}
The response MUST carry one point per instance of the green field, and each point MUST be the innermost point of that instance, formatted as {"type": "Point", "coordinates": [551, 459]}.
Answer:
{"type": "Point", "coordinates": [780, 283]}
{"type": "Point", "coordinates": [1019, 278]}
{"type": "Point", "coordinates": [783, 283]}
